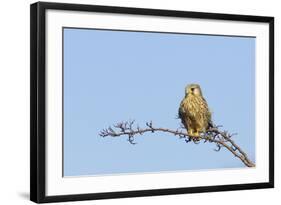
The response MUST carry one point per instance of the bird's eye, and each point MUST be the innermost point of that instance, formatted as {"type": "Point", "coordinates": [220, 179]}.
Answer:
{"type": "Point", "coordinates": [192, 89]}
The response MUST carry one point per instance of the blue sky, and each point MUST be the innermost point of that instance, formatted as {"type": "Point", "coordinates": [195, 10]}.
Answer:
{"type": "Point", "coordinates": [114, 76]}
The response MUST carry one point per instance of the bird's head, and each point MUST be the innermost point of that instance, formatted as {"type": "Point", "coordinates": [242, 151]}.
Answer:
{"type": "Point", "coordinates": [193, 89]}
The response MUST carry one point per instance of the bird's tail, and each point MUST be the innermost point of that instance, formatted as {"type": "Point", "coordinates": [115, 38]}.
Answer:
{"type": "Point", "coordinates": [210, 124]}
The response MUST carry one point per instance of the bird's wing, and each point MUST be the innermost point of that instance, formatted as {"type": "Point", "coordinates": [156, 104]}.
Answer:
{"type": "Point", "coordinates": [210, 122]}
{"type": "Point", "coordinates": [181, 115]}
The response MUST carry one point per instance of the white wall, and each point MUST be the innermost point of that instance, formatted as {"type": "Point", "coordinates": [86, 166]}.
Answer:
{"type": "Point", "coordinates": [14, 101]}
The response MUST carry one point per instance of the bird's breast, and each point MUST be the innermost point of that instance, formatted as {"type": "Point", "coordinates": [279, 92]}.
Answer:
{"type": "Point", "coordinates": [194, 105]}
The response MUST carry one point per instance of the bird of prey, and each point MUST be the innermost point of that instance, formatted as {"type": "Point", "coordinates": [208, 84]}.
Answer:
{"type": "Point", "coordinates": [194, 112]}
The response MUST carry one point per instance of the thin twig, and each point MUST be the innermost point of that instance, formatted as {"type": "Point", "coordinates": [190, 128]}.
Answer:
{"type": "Point", "coordinates": [213, 135]}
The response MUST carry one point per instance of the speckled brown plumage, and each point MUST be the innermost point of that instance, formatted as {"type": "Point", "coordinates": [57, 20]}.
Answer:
{"type": "Point", "coordinates": [194, 112]}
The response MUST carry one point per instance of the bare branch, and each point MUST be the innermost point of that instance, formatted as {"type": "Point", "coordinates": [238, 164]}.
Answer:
{"type": "Point", "coordinates": [213, 135]}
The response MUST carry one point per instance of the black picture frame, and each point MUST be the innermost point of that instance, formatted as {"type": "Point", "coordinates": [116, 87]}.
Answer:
{"type": "Point", "coordinates": [38, 101]}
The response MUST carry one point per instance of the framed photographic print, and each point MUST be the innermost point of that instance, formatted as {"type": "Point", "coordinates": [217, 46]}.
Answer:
{"type": "Point", "coordinates": [129, 102]}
